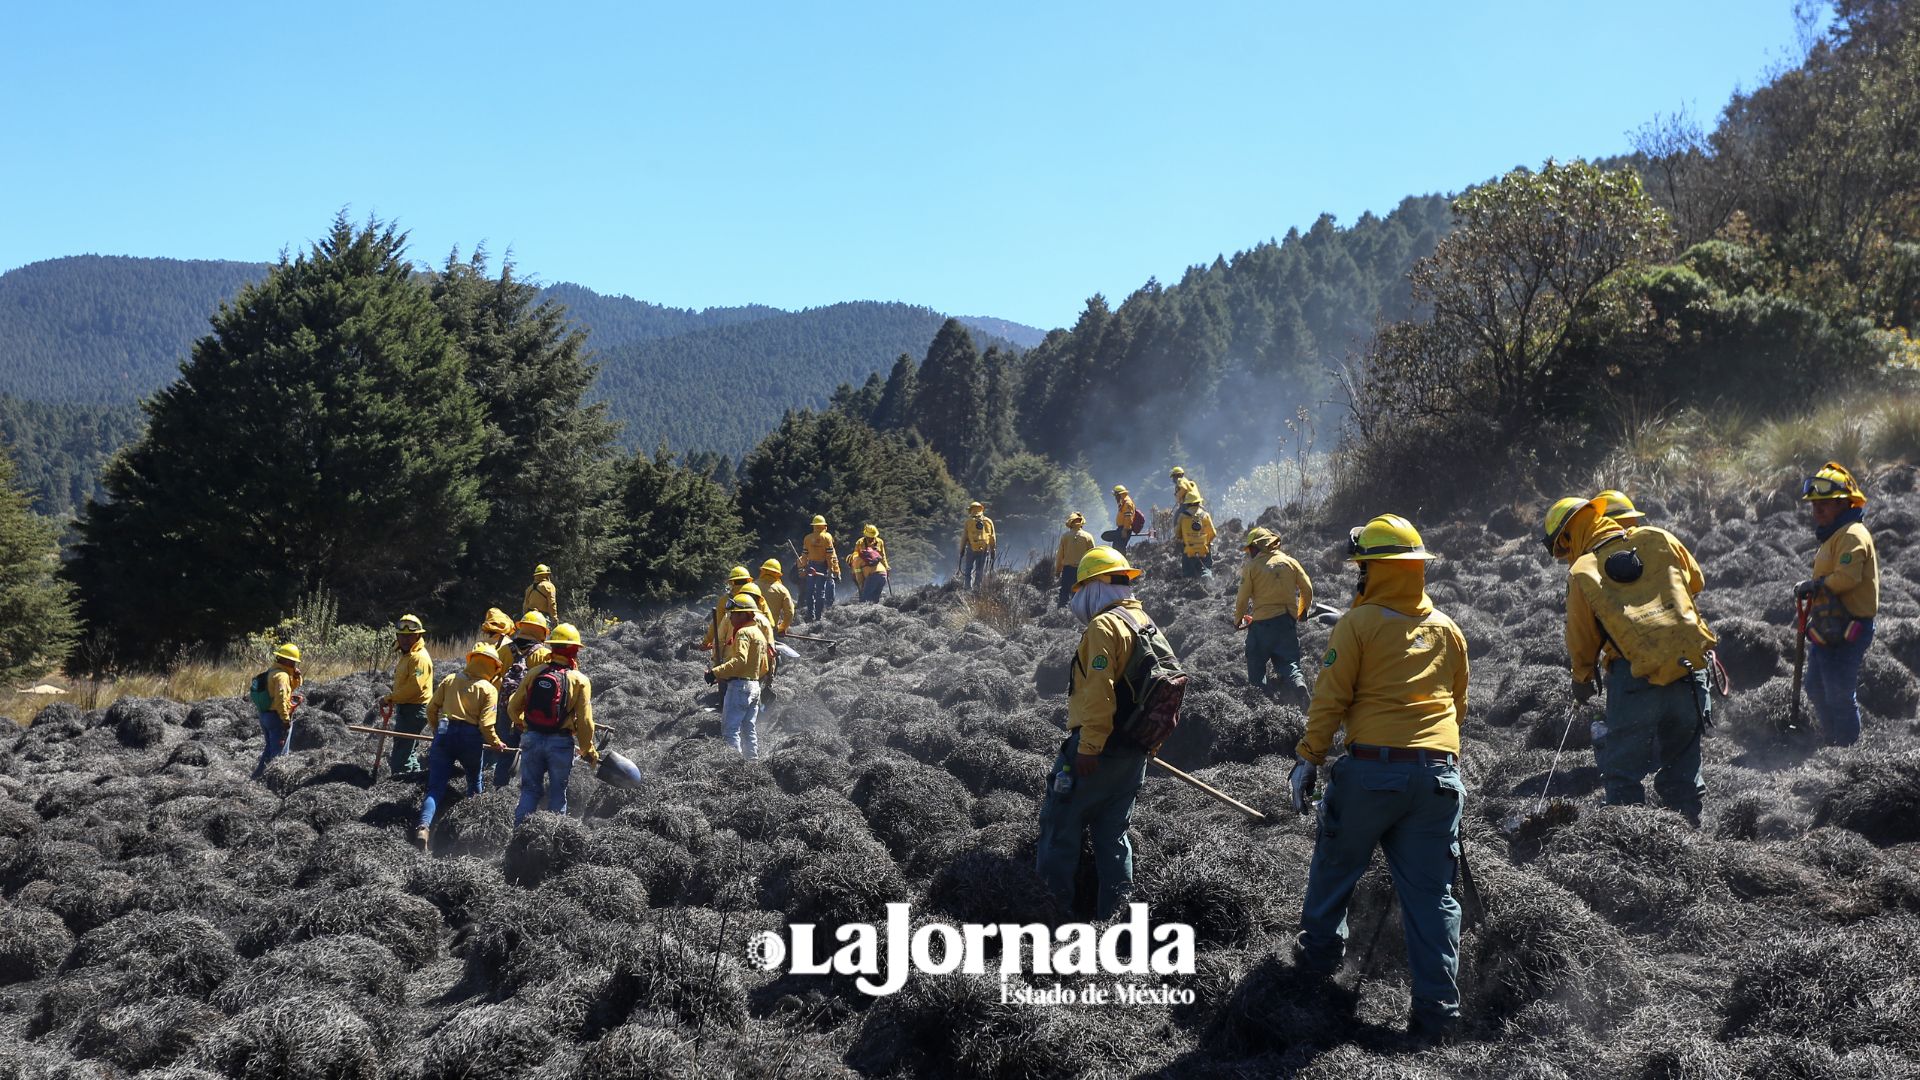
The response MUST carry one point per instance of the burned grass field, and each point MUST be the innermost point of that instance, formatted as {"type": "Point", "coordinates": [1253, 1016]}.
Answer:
{"type": "Point", "coordinates": [165, 917]}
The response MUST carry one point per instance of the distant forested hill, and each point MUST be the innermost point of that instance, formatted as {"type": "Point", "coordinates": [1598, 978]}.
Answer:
{"type": "Point", "coordinates": [724, 388]}
{"type": "Point", "coordinates": [59, 448]}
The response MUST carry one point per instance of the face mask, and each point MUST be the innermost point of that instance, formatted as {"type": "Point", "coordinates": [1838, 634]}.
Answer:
{"type": "Point", "coordinates": [1095, 596]}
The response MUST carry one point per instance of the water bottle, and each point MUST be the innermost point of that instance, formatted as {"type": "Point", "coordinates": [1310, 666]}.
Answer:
{"type": "Point", "coordinates": [1599, 730]}
{"type": "Point", "coordinates": [1063, 783]}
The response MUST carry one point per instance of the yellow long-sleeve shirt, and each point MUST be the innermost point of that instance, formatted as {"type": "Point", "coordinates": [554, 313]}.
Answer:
{"type": "Point", "coordinates": [779, 603]}
{"type": "Point", "coordinates": [747, 655]}
{"type": "Point", "coordinates": [818, 548]}
{"type": "Point", "coordinates": [1850, 566]}
{"type": "Point", "coordinates": [1653, 619]}
{"type": "Point", "coordinates": [1105, 648]}
{"type": "Point", "coordinates": [1074, 545]}
{"type": "Point", "coordinates": [413, 676]}
{"type": "Point", "coordinates": [719, 629]}
{"type": "Point", "coordinates": [1272, 583]}
{"type": "Point", "coordinates": [1390, 678]}
{"type": "Point", "coordinates": [281, 683]}
{"type": "Point", "coordinates": [540, 597]}
{"type": "Point", "coordinates": [976, 534]}
{"type": "Point", "coordinates": [466, 698]}
{"type": "Point", "coordinates": [579, 710]}
{"type": "Point", "coordinates": [1125, 516]}
{"type": "Point", "coordinates": [1196, 533]}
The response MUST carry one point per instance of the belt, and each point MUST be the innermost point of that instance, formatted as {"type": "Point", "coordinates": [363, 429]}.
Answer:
{"type": "Point", "coordinates": [1400, 755]}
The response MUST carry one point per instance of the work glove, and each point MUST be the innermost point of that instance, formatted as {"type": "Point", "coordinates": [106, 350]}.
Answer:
{"type": "Point", "coordinates": [711, 681]}
{"type": "Point", "coordinates": [1244, 622]}
{"type": "Point", "coordinates": [592, 757]}
{"type": "Point", "coordinates": [1583, 691]}
{"type": "Point", "coordinates": [1300, 785]}
{"type": "Point", "coordinates": [1806, 589]}
{"type": "Point", "coordinates": [1085, 765]}
{"type": "Point", "coordinates": [496, 746]}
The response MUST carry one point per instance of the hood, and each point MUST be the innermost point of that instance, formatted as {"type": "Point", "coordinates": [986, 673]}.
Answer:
{"type": "Point", "coordinates": [1588, 528]}
{"type": "Point", "coordinates": [479, 669]}
{"type": "Point", "coordinates": [1398, 584]}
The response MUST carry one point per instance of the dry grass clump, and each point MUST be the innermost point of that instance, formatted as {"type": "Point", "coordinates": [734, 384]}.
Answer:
{"type": "Point", "coordinates": [1849, 988]}
{"type": "Point", "coordinates": [303, 1036]}
{"type": "Point", "coordinates": [1877, 797]}
{"type": "Point", "coordinates": [1639, 867]}
{"type": "Point", "coordinates": [33, 942]}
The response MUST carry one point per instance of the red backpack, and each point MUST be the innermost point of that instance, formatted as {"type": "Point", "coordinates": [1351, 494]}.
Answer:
{"type": "Point", "coordinates": [547, 701]}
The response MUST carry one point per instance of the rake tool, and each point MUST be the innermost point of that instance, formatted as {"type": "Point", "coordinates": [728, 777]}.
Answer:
{"type": "Point", "coordinates": [1211, 790]}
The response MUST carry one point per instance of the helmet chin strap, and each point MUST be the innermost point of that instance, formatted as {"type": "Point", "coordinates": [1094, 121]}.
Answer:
{"type": "Point", "coordinates": [1360, 580]}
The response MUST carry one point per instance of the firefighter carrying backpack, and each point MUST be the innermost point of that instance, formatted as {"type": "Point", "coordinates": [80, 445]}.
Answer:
{"type": "Point", "coordinates": [547, 701]}
{"type": "Point", "coordinates": [258, 693]}
{"type": "Point", "coordinates": [1150, 687]}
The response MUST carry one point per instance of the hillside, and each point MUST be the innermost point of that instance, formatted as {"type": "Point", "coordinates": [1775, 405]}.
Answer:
{"type": "Point", "coordinates": [161, 909]}
{"type": "Point", "coordinates": [60, 448]}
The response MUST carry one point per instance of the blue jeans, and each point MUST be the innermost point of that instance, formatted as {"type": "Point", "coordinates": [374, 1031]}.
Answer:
{"type": "Point", "coordinates": [1651, 728]}
{"type": "Point", "coordinates": [1411, 811]}
{"type": "Point", "coordinates": [504, 765]}
{"type": "Point", "coordinates": [1833, 680]}
{"type": "Point", "coordinates": [544, 760]}
{"type": "Point", "coordinates": [875, 587]}
{"type": "Point", "coordinates": [740, 716]}
{"type": "Point", "coordinates": [458, 744]}
{"type": "Point", "coordinates": [1276, 639]}
{"type": "Point", "coordinates": [1103, 803]}
{"type": "Point", "coordinates": [1067, 577]}
{"type": "Point", "coordinates": [276, 736]}
{"type": "Point", "coordinates": [973, 567]}
{"type": "Point", "coordinates": [404, 754]}
{"type": "Point", "coordinates": [819, 591]}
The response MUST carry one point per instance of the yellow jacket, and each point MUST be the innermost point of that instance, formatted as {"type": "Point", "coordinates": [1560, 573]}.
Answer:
{"type": "Point", "coordinates": [1850, 567]}
{"type": "Point", "coordinates": [1651, 622]}
{"type": "Point", "coordinates": [579, 704]}
{"type": "Point", "coordinates": [1274, 584]}
{"type": "Point", "coordinates": [976, 534]}
{"type": "Point", "coordinates": [466, 698]}
{"type": "Point", "coordinates": [540, 597]}
{"type": "Point", "coordinates": [1182, 485]}
{"type": "Point", "coordinates": [1196, 533]}
{"type": "Point", "coordinates": [861, 566]}
{"type": "Point", "coordinates": [818, 548]}
{"type": "Point", "coordinates": [747, 655]}
{"type": "Point", "coordinates": [413, 676]}
{"type": "Point", "coordinates": [719, 629]}
{"type": "Point", "coordinates": [1074, 545]}
{"type": "Point", "coordinates": [1395, 672]}
{"type": "Point", "coordinates": [779, 602]}
{"type": "Point", "coordinates": [281, 683]}
{"type": "Point", "coordinates": [1105, 648]}
{"type": "Point", "coordinates": [1125, 515]}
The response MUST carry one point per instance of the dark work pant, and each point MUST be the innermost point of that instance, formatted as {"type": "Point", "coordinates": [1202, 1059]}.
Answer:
{"type": "Point", "coordinates": [404, 755]}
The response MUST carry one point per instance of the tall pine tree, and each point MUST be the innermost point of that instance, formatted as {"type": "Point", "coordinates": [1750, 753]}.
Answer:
{"type": "Point", "coordinates": [36, 608]}
{"type": "Point", "coordinates": [324, 435]}
{"type": "Point", "coordinates": [949, 408]}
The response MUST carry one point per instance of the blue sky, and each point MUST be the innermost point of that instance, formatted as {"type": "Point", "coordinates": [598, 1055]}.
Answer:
{"type": "Point", "coordinates": [982, 159]}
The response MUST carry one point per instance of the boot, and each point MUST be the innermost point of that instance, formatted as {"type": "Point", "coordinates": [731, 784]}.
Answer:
{"type": "Point", "coordinates": [420, 837]}
{"type": "Point", "coordinates": [1427, 1029]}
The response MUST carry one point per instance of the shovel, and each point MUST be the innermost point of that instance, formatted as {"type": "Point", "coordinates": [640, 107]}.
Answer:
{"type": "Point", "coordinates": [1800, 609]}
{"type": "Point", "coordinates": [617, 770]}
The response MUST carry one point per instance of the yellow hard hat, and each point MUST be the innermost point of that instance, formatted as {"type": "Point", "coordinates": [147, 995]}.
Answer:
{"type": "Point", "coordinates": [741, 604]}
{"type": "Point", "coordinates": [1119, 489]}
{"type": "Point", "coordinates": [564, 634]}
{"type": "Point", "coordinates": [739, 573]}
{"type": "Point", "coordinates": [1258, 536]}
{"type": "Point", "coordinates": [1833, 481]}
{"type": "Point", "coordinates": [1388, 537]}
{"type": "Point", "coordinates": [771, 566]}
{"type": "Point", "coordinates": [1076, 519]}
{"type": "Point", "coordinates": [1177, 472]}
{"type": "Point", "coordinates": [972, 506]}
{"type": "Point", "coordinates": [819, 520]}
{"type": "Point", "coordinates": [485, 651]}
{"type": "Point", "coordinates": [289, 651]}
{"type": "Point", "coordinates": [1191, 498]}
{"type": "Point", "coordinates": [749, 589]}
{"type": "Point", "coordinates": [541, 569]}
{"type": "Point", "coordinates": [1558, 515]}
{"type": "Point", "coordinates": [1100, 562]}
{"type": "Point", "coordinates": [532, 625]}
{"type": "Point", "coordinates": [872, 532]}
{"type": "Point", "coordinates": [1620, 508]}
{"type": "Point", "coordinates": [409, 624]}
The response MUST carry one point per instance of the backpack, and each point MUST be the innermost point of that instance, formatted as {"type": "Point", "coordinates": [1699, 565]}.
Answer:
{"type": "Point", "coordinates": [514, 676]}
{"type": "Point", "coordinates": [258, 693]}
{"type": "Point", "coordinates": [547, 701]}
{"type": "Point", "coordinates": [1150, 688]}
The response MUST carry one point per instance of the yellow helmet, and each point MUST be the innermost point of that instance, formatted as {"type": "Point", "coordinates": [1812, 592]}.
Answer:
{"type": "Point", "coordinates": [496, 622]}
{"type": "Point", "coordinates": [739, 573]}
{"type": "Point", "coordinates": [771, 566]}
{"type": "Point", "coordinates": [1177, 473]}
{"type": "Point", "coordinates": [819, 520]}
{"type": "Point", "coordinates": [409, 624]}
{"type": "Point", "coordinates": [1119, 489]}
{"type": "Point", "coordinates": [543, 568]}
{"type": "Point", "coordinates": [1258, 536]}
{"type": "Point", "coordinates": [532, 625]}
{"type": "Point", "coordinates": [485, 651]}
{"type": "Point", "coordinates": [975, 506]}
{"type": "Point", "coordinates": [1076, 519]}
{"type": "Point", "coordinates": [749, 589]}
{"type": "Point", "coordinates": [564, 634]}
{"type": "Point", "coordinates": [1620, 508]}
{"type": "Point", "coordinates": [1191, 498]}
{"type": "Point", "coordinates": [1387, 538]}
{"type": "Point", "coordinates": [1833, 481]}
{"type": "Point", "coordinates": [740, 603]}
{"type": "Point", "coordinates": [1100, 562]}
{"type": "Point", "coordinates": [289, 651]}
{"type": "Point", "coordinates": [871, 532]}
{"type": "Point", "coordinates": [1558, 516]}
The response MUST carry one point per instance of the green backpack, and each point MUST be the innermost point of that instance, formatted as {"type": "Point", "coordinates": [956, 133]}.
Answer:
{"type": "Point", "coordinates": [258, 693]}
